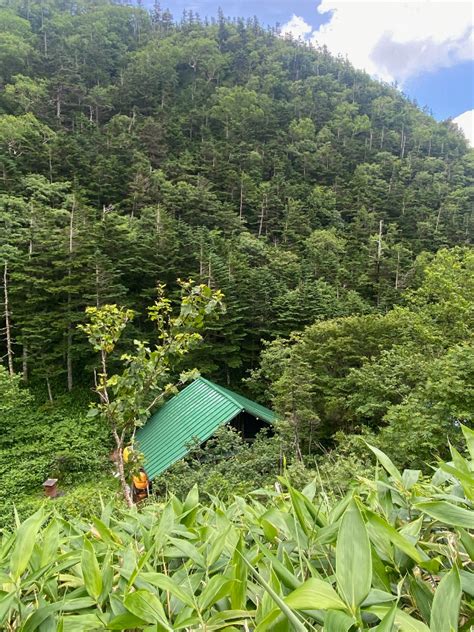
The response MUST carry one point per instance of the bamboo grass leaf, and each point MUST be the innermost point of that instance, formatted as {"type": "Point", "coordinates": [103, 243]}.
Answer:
{"type": "Point", "coordinates": [91, 570]}
{"type": "Point", "coordinates": [449, 514]}
{"type": "Point", "coordinates": [315, 594]}
{"type": "Point", "coordinates": [164, 582]}
{"type": "Point", "coordinates": [337, 621]}
{"type": "Point", "coordinates": [387, 463]}
{"type": "Point", "coordinates": [353, 558]}
{"type": "Point", "coordinates": [145, 605]}
{"type": "Point", "coordinates": [446, 601]}
{"type": "Point", "coordinates": [6, 603]}
{"type": "Point", "coordinates": [388, 621]}
{"type": "Point", "coordinates": [469, 439]}
{"type": "Point", "coordinates": [294, 620]}
{"type": "Point", "coordinates": [24, 543]}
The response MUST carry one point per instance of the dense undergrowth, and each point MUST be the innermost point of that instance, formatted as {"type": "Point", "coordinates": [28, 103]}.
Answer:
{"type": "Point", "coordinates": [394, 554]}
{"type": "Point", "coordinates": [43, 440]}
{"type": "Point", "coordinates": [135, 149]}
{"type": "Point", "coordinates": [336, 217]}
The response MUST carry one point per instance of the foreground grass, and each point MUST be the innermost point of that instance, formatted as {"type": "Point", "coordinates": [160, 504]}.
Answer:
{"type": "Point", "coordinates": [394, 554]}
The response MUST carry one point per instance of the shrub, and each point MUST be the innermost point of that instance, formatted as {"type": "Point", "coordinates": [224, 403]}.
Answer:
{"type": "Point", "coordinates": [395, 553]}
{"type": "Point", "coordinates": [226, 465]}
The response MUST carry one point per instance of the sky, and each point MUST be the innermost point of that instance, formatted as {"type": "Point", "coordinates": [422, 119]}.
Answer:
{"type": "Point", "coordinates": [425, 46]}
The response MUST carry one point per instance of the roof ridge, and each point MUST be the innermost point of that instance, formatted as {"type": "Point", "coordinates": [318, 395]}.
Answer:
{"type": "Point", "coordinates": [223, 391]}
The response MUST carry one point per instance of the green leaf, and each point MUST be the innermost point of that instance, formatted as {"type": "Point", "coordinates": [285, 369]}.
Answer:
{"type": "Point", "coordinates": [385, 530]}
{"type": "Point", "coordinates": [446, 602]}
{"type": "Point", "coordinates": [283, 574]}
{"type": "Point", "coordinates": [353, 558]}
{"type": "Point", "coordinates": [214, 590]}
{"type": "Point", "coordinates": [191, 505]}
{"type": "Point", "coordinates": [387, 463]}
{"type": "Point", "coordinates": [106, 534]}
{"type": "Point", "coordinates": [91, 571]}
{"type": "Point", "coordinates": [410, 478]}
{"type": "Point", "coordinates": [468, 542]}
{"type": "Point", "coordinates": [466, 478]}
{"type": "Point", "coordinates": [315, 594]}
{"type": "Point", "coordinates": [25, 540]}
{"type": "Point", "coordinates": [164, 582]}
{"type": "Point", "coordinates": [50, 544]}
{"type": "Point", "coordinates": [299, 508]}
{"type": "Point", "coordinates": [217, 548]}
{"type": "Point", "coordinates": [293, 619]}
{"type": "Point", "coordinates": [337, 621]}
{"type": "Point", "coordinates": [6, 602]}
{"type": "Point", "coordinates": [404, 621]}
{"type": "Point", "coordinates": [81, 623]}
{"type": "Point", "coordinates": [68, 605]}
{"type": "Point", "coordinates": [185, 549]}
{"type": "Point", "coordinates": [469, 438]}
{"type": "Point", "coordinates": [388, 621]}
{"type": "Point", "coordinates": [467, 582]}
{"type": "Point", "coordinates": [238, 591]}
{"type": "Point", "coordinates": [376, 596]}
{"type": "Point", "coordinates": [269, 529]}
{"type": "Point", "coordinates": [422, 596]}
{"type": "Point", "coordinates": [126, 621]}
{"type": "Point", "coordinates": [449, 514]}
{"type": "Point", "coordinates": [146, 606]}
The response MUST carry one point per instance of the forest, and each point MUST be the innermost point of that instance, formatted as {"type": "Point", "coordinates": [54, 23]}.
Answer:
{"type": "Point", "coordinates": [185, 196]}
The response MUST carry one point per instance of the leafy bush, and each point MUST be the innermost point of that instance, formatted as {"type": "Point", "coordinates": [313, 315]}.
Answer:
{"type": "Point", "coordinates": [39, 441]}
{"type": "Point", "coordinates": [394, 554]}
{"type": "Point", "coordinates": [227, 465]}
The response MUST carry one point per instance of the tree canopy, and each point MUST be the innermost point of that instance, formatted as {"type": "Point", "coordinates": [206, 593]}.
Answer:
{"type": "Point", "coordinates": [137, 149]}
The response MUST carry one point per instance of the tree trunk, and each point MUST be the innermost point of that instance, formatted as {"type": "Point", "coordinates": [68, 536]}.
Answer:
{"type": "Point", "coordinates": [262, 215]}
{"type": "Point", "coordinates": [397, 271]}
{"type": "Point", "coordinates": [69, 326]}
{"type": "Point", "coordinates": [7, 319]}
{"type": "Point", "coordinates": [97, 284]}
{"type": "Point", "coordinates": [403, 141]}
{"type": "Point", "coordinates": [70, 382]}
{"type": "Point", "coordinates": [127, 494]}
{"type": "Point", "coordinates": [379, 259]}
{"type": "Point", "coordinates": [50, 392]}
{"type": "Point", "coordinates": [241, 207]}
{"type": "Point", "coordinates": [25, 363]}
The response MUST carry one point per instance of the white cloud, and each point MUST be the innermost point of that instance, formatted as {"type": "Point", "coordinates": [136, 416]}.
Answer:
{"type": "Point", "coordinates": [466, 122]}
{"type": "Point", "coordinates": [296, 27]}
{"type": "Point", "coordinates": [396, 40]}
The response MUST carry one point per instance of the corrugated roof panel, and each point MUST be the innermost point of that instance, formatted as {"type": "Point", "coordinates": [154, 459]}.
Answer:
{"type": "Point", "coordinates": [196, 412]}
{"type": "Point", "coordinates": [261, 412]}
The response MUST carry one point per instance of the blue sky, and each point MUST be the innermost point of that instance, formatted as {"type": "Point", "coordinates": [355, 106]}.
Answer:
{"type": "Point", "coordinates": [426, 46]}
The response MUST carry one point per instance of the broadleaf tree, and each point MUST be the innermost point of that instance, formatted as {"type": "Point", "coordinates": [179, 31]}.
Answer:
{"type": "Point", "coordinates": [127, 399]}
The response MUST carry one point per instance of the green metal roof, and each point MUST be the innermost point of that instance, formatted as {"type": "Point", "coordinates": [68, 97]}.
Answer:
{"type": "Point", "coordinates": [197, 411]}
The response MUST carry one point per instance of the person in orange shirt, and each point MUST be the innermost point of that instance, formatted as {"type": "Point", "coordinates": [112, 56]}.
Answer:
{"type": "Point", "coordinates": [141, 486]}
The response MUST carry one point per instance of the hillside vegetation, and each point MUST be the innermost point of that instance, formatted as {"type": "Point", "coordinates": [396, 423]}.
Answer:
{"type": "Point", "coordinates": [206, 194]}
{"type": "Point", "coordinates": [136, 149]}
{"type": "Point", "coordinates": [394, 554]}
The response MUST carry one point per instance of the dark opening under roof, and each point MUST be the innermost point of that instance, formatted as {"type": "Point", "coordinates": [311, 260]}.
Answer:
{"type": "Point", "coordinates": [196, 412]}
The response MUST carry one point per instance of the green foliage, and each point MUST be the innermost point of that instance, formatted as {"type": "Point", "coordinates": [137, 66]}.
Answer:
{"type": "Point", "coordinates": [38, 442]}
{"type": "Point", "coordinates": [126, 400]}
{"type": "Point", "coordinates": [226, 465]}
{"type": "Point", "coordinates": [136, 150]}
{"type": "Point", "coordinates": [406, 375]}
{"type": "Point", "coordinates": [395, 553]}
{"type": "Point", "coordinates": [105, 326]}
